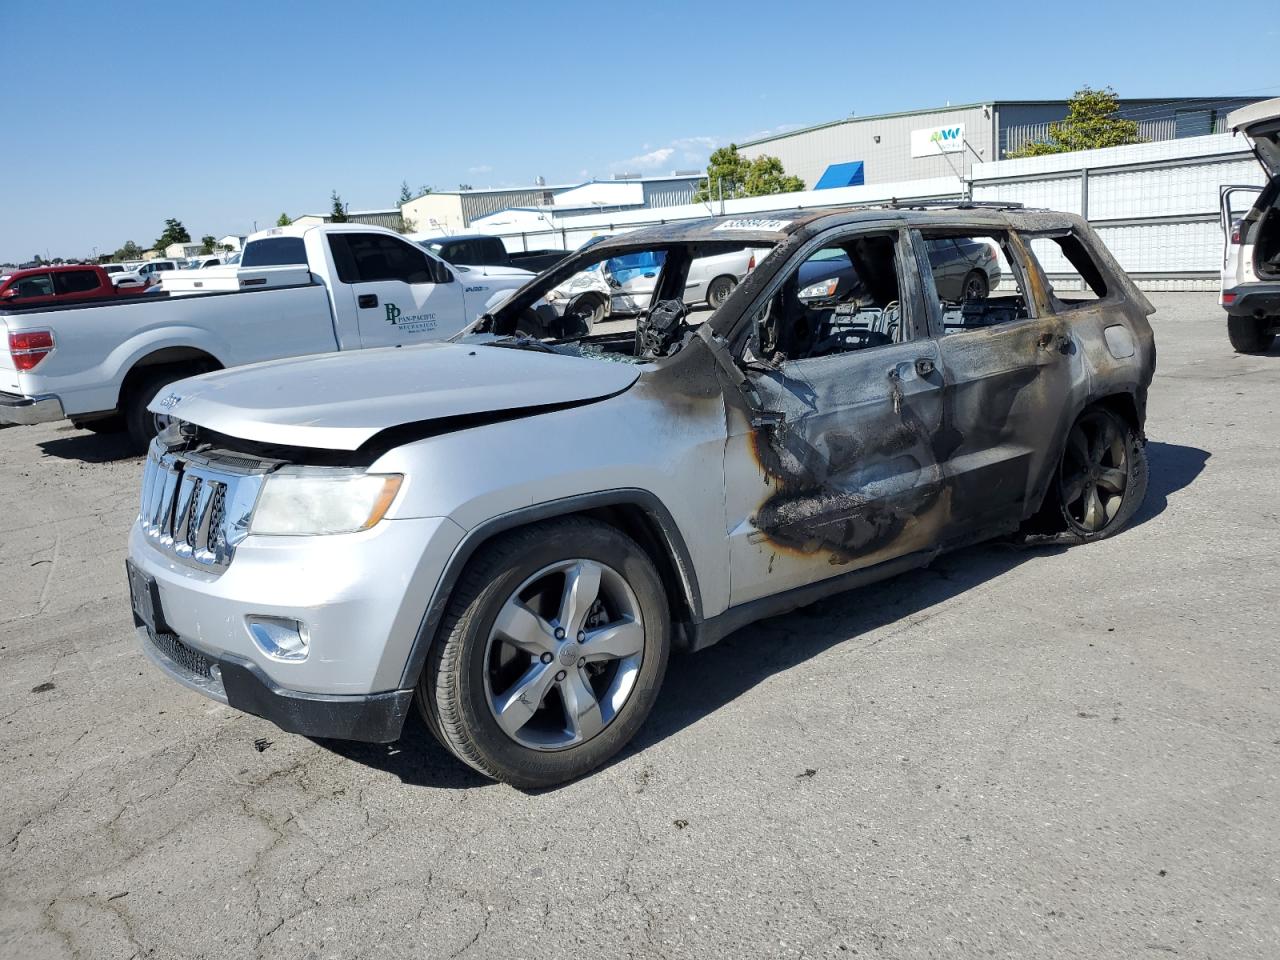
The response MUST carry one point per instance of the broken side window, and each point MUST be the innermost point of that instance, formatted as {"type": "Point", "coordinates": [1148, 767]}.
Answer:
{"type": "Point", "coordinates": [971, 280]}
{"type": "Point", "coordinates": [1074, 278]}
{"type": "Point", "coordinates": [844, 296]}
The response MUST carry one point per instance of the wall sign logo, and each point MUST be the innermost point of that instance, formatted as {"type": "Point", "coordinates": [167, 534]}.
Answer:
{"type": "Point", "coordinates": [932, 141]}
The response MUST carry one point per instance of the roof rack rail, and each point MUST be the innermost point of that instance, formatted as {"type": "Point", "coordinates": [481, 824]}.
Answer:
{"type": "Point", "coordinates": [895, 204]}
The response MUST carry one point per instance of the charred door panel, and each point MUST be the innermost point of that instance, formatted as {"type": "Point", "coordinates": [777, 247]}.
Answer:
{"type": "Point", "coordinates": [1007, 389]}
{"type": "Point", "coordinates": [840, 470]}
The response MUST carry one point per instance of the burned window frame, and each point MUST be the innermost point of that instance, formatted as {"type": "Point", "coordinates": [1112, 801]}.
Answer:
{"type": "Point", "coordinates": [909, 283]}
{"type": "Point", "coordinates": [1012, 249]}
{"type": "Point", "coordinates": [1113, 294]}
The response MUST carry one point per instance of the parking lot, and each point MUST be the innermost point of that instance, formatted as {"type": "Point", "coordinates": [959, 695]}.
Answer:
{"type": "Point", "coordinates": [1014, 753]}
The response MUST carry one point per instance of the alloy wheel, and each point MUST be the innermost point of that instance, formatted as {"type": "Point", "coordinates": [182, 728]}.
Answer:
{"type": "Point", "coordinates": [563, 655]}
{"type": "Point", "coordinates": [1095, 472]}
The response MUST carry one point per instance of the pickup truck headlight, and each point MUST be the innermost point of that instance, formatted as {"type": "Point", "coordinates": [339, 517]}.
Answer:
{"type": "Point", "coordinates": [293, 505]}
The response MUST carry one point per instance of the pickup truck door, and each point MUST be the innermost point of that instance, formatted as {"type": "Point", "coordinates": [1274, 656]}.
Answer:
{"type": "Point", "coordinates": [395, 291]}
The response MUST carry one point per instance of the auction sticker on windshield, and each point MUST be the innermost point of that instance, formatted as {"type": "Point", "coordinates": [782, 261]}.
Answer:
{"type": "Point", "coordinates": [754, 224]}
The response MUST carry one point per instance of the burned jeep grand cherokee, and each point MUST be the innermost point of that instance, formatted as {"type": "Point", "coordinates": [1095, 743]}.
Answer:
{"type": "Point", "coordinates": [513, 530]}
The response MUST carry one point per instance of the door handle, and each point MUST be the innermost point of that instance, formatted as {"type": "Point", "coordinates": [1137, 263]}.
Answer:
{"type": "Point", "coordinates": [366, 300]}
{"type": "Point", "coordinates": [924, 366]}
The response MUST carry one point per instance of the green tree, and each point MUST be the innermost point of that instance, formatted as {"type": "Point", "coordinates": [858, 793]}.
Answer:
{"type": "Point", "coordinates": [207, 243]}
{"type": "Point", "coordinates": [174, 232]}
{"type": "Point", "coordinates": [339, 213]}
{"type": "Point", "coordinates": [130, 251]}
{"type": "Point", "coordinates": [1091, 123]}
{"type": "Point", "coordinates": [731, 175]}
{"type": "Point", "coordinates": [405, 194]}
{"type": "Point", "coordinates": [283, 220]}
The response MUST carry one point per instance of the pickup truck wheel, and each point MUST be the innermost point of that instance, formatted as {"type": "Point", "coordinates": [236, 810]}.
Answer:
{"type": "Point", "coordinates": [1102, 478]}
{"type": "Point", "coordinates": [718, 291]}
{"type": "Point", "coordinates": [141, 423]}
{"type": "Point", "coordinates": [551, 653]}
{"type": "Point", "coordinates": [1250, 334]}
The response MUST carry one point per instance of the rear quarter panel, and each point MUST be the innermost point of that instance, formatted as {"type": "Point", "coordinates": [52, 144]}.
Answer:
{"type": "Point", "coordinates": [95, 347]}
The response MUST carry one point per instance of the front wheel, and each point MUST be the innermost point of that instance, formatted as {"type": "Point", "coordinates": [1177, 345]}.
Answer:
{"type": "Point", "coordinates": [550, 655]}
{"type": "Point", "coordinates": [1102, 478]}
{"type": "Point", "coordinates": [1250, 334]}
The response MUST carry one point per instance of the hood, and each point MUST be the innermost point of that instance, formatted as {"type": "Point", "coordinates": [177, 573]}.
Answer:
{"type": "Point", "coordinates": [339, 401]}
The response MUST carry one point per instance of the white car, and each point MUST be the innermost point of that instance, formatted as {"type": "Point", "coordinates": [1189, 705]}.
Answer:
{"type": "Point", "coordinates": [1251, 237]}
{"type": "Point", "coordinates": [623, 286]}
{"type": "Point", "coordinates": [305, 290]}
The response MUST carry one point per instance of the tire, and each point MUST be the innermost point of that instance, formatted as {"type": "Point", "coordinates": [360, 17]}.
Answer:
{"type": "Point", "coordinates": [718, 291]}
{"type": "Point", "coordinates": [1102, 476]}
{"type": "Point", "coordinates": [588, 308]}
{"type": "Point", "coordinates": [1250, 334]}
{"type": "Point", "coordinates": [976, 286]}
{"type": "Point", "coordinates": [141, 424]}
{"type": "Point", "coordinates": [561, 719]}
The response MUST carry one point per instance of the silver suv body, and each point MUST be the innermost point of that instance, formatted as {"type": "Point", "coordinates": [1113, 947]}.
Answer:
{"type": "Point", "coordinates": [514, 533]}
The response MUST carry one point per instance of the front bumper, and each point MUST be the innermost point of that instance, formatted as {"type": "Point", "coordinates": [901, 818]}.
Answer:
{"type": "Point", "coordinates": [1261, 300]}
{"type": "Point", "coordinates": [15, 408]}
{"type": "Point", "coordinates": [362, 598]}
{"type": "Point", "coordinates": [240, 683]}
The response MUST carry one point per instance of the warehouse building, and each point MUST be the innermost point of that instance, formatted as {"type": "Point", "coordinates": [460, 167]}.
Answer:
{"type": "Point", "coordinates": [947, 141]}
{"type": "Point", "coordinates": [453, 211]}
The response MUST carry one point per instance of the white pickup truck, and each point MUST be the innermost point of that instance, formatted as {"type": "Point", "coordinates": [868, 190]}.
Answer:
{"type": "Point", "coordinates": [298, 291]}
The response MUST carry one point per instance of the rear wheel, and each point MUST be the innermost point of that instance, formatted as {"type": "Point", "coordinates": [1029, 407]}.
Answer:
{"type": "Point", "coordinates": [718, 291]}
{"type": "Point", "coordinates": [1102, 478]}
{"type": "Point", "coordinates": [587, 309]}
{"type": "Point", "coordinates": [140, 422]}
{"type": "Point", "coordinates": [976, 286]}
{"type": "Point", "coordinates": [551, 653]}
{"type": "Point", "coordinates": [1250, 334]}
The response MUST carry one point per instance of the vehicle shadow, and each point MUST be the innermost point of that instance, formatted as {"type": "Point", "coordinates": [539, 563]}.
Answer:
{"type": "Point", "coordinates": [697, 686]}
{"type": "Point", "coordinates": [89, 447]}
{"type": "Point", "coordinates": [417, 758]}
{"type": "Point", "coordinates": [1172, 467]}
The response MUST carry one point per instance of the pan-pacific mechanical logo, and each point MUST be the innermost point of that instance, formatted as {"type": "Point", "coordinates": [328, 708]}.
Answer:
{"type": "Point", "coordinates": [412, 323]}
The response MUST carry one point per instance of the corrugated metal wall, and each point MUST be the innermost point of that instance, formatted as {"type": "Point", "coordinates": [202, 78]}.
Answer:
{"type": "Point", "coordinates": [1155, 205]}
{"type": "Point", "coordinates": [807, 153]}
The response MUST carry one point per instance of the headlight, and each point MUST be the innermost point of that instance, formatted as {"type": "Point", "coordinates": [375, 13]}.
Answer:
{"type": "Point", "coordinates": [292, 505]}
{"type": "Point", "coordinates": [819, 291]}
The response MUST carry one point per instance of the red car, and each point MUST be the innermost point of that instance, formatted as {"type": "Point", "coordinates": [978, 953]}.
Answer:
{"type": "Point", "coordinates": [54, 285]}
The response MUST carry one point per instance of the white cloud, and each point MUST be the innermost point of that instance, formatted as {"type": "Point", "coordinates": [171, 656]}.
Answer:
{"type": "Point", "coordinates": [482, 168]}
{"type": "Point", "coordinates": [773, 131]}
{"type": "Point", "coordinates": [688, 151]}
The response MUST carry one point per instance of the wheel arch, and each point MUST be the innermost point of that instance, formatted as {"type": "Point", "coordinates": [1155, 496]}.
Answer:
{"type": "Point", "coordinates": [1123, 402]}
{"type": "Point", "coordinates": [192, 358]}
{"type": "Point", "coordinates": [637, 513]}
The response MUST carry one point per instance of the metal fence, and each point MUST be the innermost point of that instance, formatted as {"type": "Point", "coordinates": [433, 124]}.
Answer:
{"type": "Point", "coordinates": [1149, 131]}
{"type": "Point", "coordinates": [1155, 205]}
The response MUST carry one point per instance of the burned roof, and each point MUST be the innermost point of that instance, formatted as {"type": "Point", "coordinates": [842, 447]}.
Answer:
{"type": "Point", "coordinates": [773, 227]}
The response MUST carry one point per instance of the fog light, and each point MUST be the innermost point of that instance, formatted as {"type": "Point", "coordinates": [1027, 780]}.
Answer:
{"type": "Point", "coordinates": [280, 639]}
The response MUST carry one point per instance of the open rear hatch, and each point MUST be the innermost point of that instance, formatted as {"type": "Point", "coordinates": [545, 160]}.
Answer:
{"type": "Point", "coordinates": [1260, 123]}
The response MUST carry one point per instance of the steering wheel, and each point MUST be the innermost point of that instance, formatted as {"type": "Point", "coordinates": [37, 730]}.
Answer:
{"type": "Point", "coordinates": [854, 339]}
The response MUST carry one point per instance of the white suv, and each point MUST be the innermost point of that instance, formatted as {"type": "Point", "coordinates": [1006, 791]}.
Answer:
{"type": "Point", "coordinates": [514, 533]}
{"type": "Point", "coordinates": [1251, 262]}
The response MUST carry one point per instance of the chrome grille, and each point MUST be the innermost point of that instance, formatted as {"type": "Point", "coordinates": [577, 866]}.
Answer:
{"type": "Point", "coordinates": [197, 508]}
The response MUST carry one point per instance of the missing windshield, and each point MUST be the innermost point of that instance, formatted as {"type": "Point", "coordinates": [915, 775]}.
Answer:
{"type": "Point", "coordinates": [620, 301]}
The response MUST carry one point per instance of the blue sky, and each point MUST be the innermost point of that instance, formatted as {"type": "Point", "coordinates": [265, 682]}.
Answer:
{"type": "Point", "coordinates": [222, 114]}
